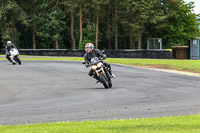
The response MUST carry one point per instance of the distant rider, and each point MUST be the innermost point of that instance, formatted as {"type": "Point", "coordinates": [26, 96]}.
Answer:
{"type": "Point", "coordinates": [91, 53]}
{"type": "Point", "coordinates": [9, 46]}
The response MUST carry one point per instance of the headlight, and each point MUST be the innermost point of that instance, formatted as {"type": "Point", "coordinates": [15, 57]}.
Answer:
{"type": "Point", "coordinates": [99, 64]}
{"type": "Point", "coordinates": [94, 67]}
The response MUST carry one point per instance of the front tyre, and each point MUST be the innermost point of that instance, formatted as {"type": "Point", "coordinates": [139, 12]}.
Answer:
{"type": "Point", "coordinates": [17, 60]}
{"type": "Point", "coordinates": [103, 80]}
{"type": "Point", "coordinates": [108, 78]}
{"type": "Point", "coordinates": [109, 83]}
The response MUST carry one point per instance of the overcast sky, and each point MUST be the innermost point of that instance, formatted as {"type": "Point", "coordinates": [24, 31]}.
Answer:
{"type": "Point", "coordinates": [196, 4]}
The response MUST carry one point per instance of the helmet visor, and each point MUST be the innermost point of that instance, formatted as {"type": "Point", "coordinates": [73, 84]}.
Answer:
{"type": "Point", "coordinates": [88, 49]}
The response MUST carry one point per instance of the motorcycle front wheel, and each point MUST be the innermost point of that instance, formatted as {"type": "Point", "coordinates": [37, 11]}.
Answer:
{"type": "Point", "coordinates": [109, 83]}
{"type": "Point", "coordinates": [103, 80]}
{"type": "Point", "coordinates": [17, 60]}
{"type": "Point", "coordinates": [108, 78]}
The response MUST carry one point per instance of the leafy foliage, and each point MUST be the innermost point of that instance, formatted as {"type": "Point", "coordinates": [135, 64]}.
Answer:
{"type": "Point", "coordinates": [121, 24]}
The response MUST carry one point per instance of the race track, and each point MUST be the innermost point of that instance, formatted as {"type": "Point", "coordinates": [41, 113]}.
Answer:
{"type": "Point", "coordinates": [49, 91]}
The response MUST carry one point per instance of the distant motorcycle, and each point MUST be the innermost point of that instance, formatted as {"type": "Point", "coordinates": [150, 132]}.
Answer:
{"type": "Point", "coordinates": [101, 72]}
{"type": "Point", "coordinates": [15, 56]}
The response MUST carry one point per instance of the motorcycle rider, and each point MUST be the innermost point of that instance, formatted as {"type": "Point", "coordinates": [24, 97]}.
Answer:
{"type": "Point", "coordinates": [9, 46]}
{"type": "Point", "coordinates": [91, 53]}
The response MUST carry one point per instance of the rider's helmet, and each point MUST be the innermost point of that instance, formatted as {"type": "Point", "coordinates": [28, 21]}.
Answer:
{"type": "Point", "coordinates": [89, 47]}
{"type": "Point", "coordinates": [9, 42]}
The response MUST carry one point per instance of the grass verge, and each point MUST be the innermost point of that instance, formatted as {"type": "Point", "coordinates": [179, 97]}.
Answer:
{"type": "Point", "coordinates": [183, 65]}
{"type": "Point", "coordinates": [183, 124]}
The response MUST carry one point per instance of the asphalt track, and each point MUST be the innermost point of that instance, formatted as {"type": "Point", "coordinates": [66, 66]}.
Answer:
{"type": "Point", "coordinates": [49, 91]}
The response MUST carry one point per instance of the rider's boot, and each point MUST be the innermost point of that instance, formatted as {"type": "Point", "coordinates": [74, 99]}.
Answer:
{"type": "Point", "coordinates": [97, 82]}
{"type": "Point", "coordinates": [111, 74]}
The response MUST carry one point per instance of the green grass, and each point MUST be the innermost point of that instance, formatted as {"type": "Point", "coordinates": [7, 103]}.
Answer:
{"type": "Point", "coordinates": [178, 124]}
{"type": "Point", "coordinates": [185, 65]}
{"type": "Point", "coordinates": [55, 58]}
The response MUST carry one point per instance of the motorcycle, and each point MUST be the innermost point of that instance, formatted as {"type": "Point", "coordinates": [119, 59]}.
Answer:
{"type": "Point", "coordinates": [15, 56]}
{"type": "Point", "coordinates": [101, 72]}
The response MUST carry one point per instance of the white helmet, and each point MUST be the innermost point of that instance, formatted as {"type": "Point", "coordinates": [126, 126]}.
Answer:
{"type": "Point", "coordinates": [89, 47]}
{"type": "Point", "coordinates": [9, 42]}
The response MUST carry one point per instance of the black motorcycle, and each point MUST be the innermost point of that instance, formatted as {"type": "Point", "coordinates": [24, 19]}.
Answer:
{"type": "Point", "coordinates": [100, 71]}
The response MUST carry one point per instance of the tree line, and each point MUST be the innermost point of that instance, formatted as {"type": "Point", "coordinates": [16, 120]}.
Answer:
{"type": "Point", "coordinates": [109, 24]}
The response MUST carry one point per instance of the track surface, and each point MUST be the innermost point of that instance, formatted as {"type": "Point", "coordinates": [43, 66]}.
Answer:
{"type": "Point", "coordinates": [48, 91]}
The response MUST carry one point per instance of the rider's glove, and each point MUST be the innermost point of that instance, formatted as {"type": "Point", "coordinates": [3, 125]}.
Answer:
{"type": "Point", "coordinates": [104, 56]}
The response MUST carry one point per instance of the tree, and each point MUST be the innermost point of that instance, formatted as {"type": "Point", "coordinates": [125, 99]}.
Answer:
{"type": "Point", "coordinates": [97, 6]}
{"type": "Point", "coordinates": [129, 23]}
{"type": "Point", "coordinates": [31, 8]}
{"type": "Point", "coordinates": [81, 26]}
{"type": "Point", "coordinates": [147, 12]}
{"type": "Point", "coordinates": [71, 7]}
{"type": "Point", "coordinates": [10, 14]}
{"type": "Point", "coordinates": [50, 23]}
{"type": "Point", "coordinates": [182, 26]}
{"type": "Point", "coordinates": [108, 32]}
{"type": "Point", "coordinates": [82, 8]}
{"type": "Point", "coordinates": [108, 23]}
